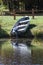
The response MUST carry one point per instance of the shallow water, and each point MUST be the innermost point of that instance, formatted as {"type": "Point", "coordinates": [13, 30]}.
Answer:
{"type": "Point", "coordinates": [19, 52]}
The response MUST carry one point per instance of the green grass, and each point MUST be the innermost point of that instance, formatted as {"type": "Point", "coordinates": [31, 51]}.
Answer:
{"type": "Point", "coordinates": [38, 21]}
{"type": "Point", "coordinates": [7, 22]}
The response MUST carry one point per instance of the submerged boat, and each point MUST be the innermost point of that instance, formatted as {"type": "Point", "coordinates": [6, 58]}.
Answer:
{"type": "Point", "coordinates": [21, 26]}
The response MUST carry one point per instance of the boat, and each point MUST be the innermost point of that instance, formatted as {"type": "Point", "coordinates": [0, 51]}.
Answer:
{"type": "Point", "coordinates": [21, 26]}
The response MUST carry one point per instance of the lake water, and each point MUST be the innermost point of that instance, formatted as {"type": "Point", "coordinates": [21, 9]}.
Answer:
{"type": "Point", "coordinates": [19, 52]}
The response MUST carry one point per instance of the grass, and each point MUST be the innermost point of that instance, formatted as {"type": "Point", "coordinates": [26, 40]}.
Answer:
{"type": "Point", "coordinates": [38, 21]}
{"type": "Point", "coordinates": [7, 22]}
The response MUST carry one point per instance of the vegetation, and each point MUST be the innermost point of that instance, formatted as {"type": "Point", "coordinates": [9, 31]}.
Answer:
{"type": "Point", "coordinates": [38, 30]}
{"type": "Point", "coordinates": [7, 22]}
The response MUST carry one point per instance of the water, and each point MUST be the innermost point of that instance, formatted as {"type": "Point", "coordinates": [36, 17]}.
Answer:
{"type": "Point", "coordinates": [20, 54]}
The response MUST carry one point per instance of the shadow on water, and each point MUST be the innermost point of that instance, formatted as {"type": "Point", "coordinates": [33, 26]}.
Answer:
{"type": "Point", "coordinates": [3, 33]}
{"type": "Point", "coordinates": [21, 54]}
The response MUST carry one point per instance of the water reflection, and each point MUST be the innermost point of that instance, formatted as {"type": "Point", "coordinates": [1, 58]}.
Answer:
{"type": "Point", "coordinates": [37, 56]}
{"type": "Point", "coordinates": [21, 54]}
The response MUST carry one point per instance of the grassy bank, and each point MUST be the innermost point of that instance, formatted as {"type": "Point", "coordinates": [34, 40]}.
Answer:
{"type": "Point", "coordinates": [7, 23]}
{"type": "Point", "coordinates": [38, 30]}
